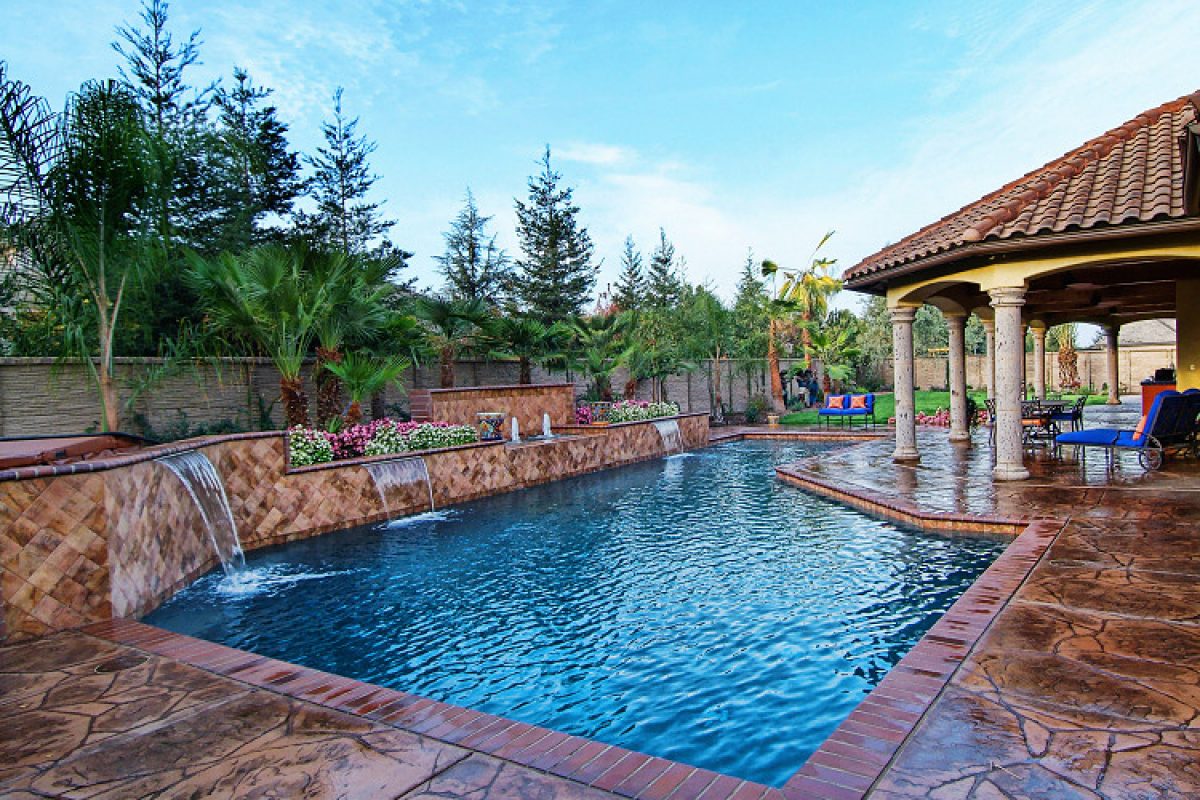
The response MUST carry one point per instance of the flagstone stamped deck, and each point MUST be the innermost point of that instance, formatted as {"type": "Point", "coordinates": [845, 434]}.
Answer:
{"type": "Point", "coordinates": [1071, 668]}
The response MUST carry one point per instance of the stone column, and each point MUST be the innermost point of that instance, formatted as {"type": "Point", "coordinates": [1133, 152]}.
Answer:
{"type": "Point", "coordinates": [1010, 359]}
{"type": "Point", "coordinates": [1039, 361]}
{"type": "Point", "coordinates": [960, 428]}
{"type": "Point", "coordinates": [906, 404]}
{"type": "Point", "coordinates": [989, 357]}
{"type": "Point", "coordinates": [1114, 370]}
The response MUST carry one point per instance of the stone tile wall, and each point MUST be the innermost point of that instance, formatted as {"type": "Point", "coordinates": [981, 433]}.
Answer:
{"type": "Point", "coordinates": [527, 403]}
{"type": "Point", "coordinates": [117, 541]}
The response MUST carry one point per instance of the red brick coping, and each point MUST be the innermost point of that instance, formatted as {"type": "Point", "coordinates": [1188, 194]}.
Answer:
{"type": "Point", "coordinates": [844, 767]}
{"type": "Point", "coordinates": [602, 766]}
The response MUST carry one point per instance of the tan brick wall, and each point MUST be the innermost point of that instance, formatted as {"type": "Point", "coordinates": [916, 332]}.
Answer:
{"type": "Point", "coordinates": [79, 548]}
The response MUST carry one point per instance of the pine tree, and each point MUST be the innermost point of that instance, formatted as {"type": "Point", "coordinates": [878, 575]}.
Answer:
{"type": "Point", "coordinates": [555, 272]}
{"type": "Point", "coordinates": [156, 67]}
{"type": "Point", "coordinates": [259, 175]}
{"type": "Point", "coordinates": [342, 178]}
{"type": "Point", "coordinates": [630, 291]}
{"type": "Point", "coordinates": [475, 268]}
{"type": "Point", "coordinates": [663, 284]}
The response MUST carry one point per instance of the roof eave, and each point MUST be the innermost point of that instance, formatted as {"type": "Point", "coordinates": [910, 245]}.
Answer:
{"type": "Point", "coordinates": [876, 282]}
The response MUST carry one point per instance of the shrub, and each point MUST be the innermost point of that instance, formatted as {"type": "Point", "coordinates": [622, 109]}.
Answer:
{"type": "Point", "coordinates": [307, 446]}
{"type": "Point", "coordinates": [756, 409]}
{"type": "Point", "coordinates": [583, 415]}
{"type": "Point", "coordinates": [431, 435]}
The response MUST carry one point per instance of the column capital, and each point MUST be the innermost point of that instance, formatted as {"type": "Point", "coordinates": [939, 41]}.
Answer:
{"type": "Point", "coordinates": [1011, 296]}
{"type": "Point", "coordinates": [989, 325]}
{"type": "Point", "coordinates": [902, 314]}
{"type": "Point", "coordinates": [1039, 333]}
{"type": "Point", "coordinates": [956, 316]}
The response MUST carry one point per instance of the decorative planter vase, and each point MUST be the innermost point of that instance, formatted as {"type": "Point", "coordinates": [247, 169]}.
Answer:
{"type": "Point", "coordinates": [773, 420]}
{"type": "Point", "coordinates": [490, 424]}
{"type": "Point", "coordinates": [600, 411]}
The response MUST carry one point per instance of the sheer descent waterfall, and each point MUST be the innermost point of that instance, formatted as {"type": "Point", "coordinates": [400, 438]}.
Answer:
{"type": "Point", "coordinates": [199, 477]}
{"type": "Point", "coordinates": [401, 472]}
{"type": "Point", "coordinates": [668, 430]}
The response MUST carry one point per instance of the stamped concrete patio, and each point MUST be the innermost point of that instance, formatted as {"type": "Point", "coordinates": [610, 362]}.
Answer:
{"type": "Point", "coordinates": [1081, 679]}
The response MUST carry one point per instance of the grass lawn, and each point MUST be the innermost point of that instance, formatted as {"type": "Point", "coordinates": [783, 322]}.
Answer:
{"type": "Point", "coordinates": [927, 403]}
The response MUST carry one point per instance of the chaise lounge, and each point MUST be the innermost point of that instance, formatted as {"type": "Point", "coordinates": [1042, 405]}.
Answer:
{"type": "Point", "coordinates": [1169, 426]}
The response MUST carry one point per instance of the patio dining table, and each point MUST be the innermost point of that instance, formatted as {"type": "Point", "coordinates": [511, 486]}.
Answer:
{"type": "Point", "coordinates": [1037, 419]}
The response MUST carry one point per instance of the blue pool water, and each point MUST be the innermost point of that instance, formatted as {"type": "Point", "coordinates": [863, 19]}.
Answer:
{"type": "Point", "coordinates": [694, 608]}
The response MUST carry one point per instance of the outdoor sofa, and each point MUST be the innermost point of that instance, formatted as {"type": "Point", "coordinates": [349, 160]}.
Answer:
{"type": "Point", "coordinates": [845, 408]}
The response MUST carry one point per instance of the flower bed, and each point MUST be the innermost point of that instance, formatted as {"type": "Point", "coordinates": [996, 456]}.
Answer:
{"type": "Point", "coordinates": [307, 446]}
{"type": "Point", "coordinates": [635, 410]}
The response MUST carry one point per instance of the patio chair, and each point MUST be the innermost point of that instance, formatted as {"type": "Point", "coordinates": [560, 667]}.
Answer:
{"type": "Point", "coordinates": [1037, 424]}
{"type": "Point", "coordinates": [1072, 416]}
{"type": "Point", "coordinates": [1169, 426]}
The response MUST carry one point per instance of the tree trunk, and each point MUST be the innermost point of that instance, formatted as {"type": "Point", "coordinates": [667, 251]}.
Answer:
{"type": "Point", "coordinates": [447, 368]}
{"type": "Point", "coordinates": [526, 371]}
{"type": "Point", "coordinates": [718, 410]}
{"type": "Point", "coordinates": [108, 397]}
{"type": "Point", "coordinates": [773, 368]}
{"type": "Point", "coordinates": [378, 405]}
{"type": "Point", "coordinates": [354, 413]}
{"type": "Point", "coordinates": [631, 388]}
{"type": "Point", "coordinates": [329, 387]}
{"type": "Point", "coordinates": [295, 402]}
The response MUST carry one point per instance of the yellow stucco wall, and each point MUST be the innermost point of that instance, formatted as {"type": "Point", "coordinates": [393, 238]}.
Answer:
{"type": "Point", "coordinates": [1187, 334]}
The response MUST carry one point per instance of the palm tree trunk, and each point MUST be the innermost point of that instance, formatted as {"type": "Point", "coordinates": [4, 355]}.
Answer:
{"type": "Point", "coordinates": [295, 401]}
{"type": "Point", "coordinates": [447, 368]}
{"type": "Point", "coordinates": [354, 413]}
{"type": "Point", "coordinates": [329, 387]}
{"type": "Point", "coordinates": [526, 371]}
{"type": "Point", "coordinates": [718, 410]}
{"type": "Point", "coordinates": [773, 368]}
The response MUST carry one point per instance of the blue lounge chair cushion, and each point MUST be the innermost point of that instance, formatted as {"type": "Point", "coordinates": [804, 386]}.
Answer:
{"type": "Point", "coordinates": [1105, 437]}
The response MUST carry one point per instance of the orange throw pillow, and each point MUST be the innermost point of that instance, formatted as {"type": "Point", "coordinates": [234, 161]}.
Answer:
{"type": "Point", "coordinates": [836, 401]}
{"type": "Point", "coordinates": [858, 401]}
{"type": "Point", "coordinates": [1140, 430]}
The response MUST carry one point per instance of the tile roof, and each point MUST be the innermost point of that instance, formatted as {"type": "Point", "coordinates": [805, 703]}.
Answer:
{"type": "Point", "coordinates": [1133, 173]}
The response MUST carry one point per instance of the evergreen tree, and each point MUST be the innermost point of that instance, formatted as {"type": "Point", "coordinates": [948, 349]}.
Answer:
{"type": "Point", "coordinates": [258, 174]}
{"type": "Point", "coordinates": [630, 292]}
{"type": "Point", "coordinates": [154, 69]}
{"type": "Point", "coordinates": [663, 284]}
{"type": "Point", "coordinates": [556, 273]}
{"type": "Point", "coordinates": [475, 268]}
{"type": "Point", "coordinates": [342, 178]}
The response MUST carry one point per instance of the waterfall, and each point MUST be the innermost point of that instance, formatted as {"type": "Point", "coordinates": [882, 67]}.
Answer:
{"type": "Point", "coordinates": [668, 431]}
{"type": "Point", "coordinates": [203, 484]}
{"type": "Point", "coordinates": [395, 474]}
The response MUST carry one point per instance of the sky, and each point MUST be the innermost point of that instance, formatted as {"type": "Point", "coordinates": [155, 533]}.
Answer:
{"type": "Point", "coordinates": [734, 127]}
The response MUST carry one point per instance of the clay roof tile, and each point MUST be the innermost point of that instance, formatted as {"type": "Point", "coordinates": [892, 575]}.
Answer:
{"type": "Point", "coordinates": [1132, 173]}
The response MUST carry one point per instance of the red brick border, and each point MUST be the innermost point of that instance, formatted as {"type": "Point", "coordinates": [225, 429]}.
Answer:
{"type": "Point", "coordinates": [846, 765]}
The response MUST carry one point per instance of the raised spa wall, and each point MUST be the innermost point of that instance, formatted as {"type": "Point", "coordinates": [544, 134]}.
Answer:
{"type": "Point", "coordinates": [92, 541]}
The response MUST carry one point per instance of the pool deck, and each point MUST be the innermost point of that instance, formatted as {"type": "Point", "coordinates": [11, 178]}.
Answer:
{"type": "Point", "coordinates": [1070, 669]}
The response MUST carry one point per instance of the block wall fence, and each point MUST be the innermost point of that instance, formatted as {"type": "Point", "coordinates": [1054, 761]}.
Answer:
{"type": "Point", "coordinates": [115, 538]}
{"type": "Point", "coordinates": [39, 397]}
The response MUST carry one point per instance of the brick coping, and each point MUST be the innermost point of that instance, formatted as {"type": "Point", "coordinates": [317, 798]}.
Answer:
{"type": "Point", "coordinates": [846, 765]}
{"type": "Point", "coordinates": [520, 387]}
{"type": "Point", "coordinates": [606, 767]}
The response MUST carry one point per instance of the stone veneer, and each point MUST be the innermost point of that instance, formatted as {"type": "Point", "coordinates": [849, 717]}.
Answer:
{"type": "Point", "coordinates": [115, 538]}
{"type": "Point", "coordinates": [527, 402]}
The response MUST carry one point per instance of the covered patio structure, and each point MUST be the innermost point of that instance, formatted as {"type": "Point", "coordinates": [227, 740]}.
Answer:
{"type": "Point", "coordinates": [1107, 234]}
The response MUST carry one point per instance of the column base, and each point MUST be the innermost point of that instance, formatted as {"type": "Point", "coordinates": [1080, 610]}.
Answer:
{"type": "Point", "coordinates": [1010, 472]}
{"type": "Point", "coordinates": [1113, 401]}
{"type": "Point", "coordinates": [905, 455]}
{"type": "Point", "coordinates": [960, 436]}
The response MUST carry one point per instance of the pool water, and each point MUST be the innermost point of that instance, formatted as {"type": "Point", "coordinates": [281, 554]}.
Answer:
{"type": "Point", "coordinates": [693, 608]}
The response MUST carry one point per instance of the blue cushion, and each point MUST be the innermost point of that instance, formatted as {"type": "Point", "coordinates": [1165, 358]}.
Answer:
{"type": "Point", "coordinates": [1098, 436]}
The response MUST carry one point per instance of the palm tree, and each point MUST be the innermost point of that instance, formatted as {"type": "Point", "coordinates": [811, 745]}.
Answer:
{"type": "Point", "coordinates": [596, 349]}
{"type": "Point", "coordinates": [805, 294]}
{"type": "Point", "coordinates": [525, 339]}
{"type": "Point", "coordinates": [835, 353]}
{"type": "Point", "coordinates": [451, 325]}
{"type": "Point", "coordinates": [77, 192]}
{"type": "Point", "coordinates": [271, 299]}
{"type": "Point", "coordinates": [361, 313]}
{"type": "Point", "coordinates": [363, 376]}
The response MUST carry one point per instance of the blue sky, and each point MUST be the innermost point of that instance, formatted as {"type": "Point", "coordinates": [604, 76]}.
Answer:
{"type": "Point", "coordinates": [731, 125]}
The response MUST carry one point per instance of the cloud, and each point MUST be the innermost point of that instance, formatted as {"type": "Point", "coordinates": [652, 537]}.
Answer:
{"type": "Point", "coordinates": [594, 153]}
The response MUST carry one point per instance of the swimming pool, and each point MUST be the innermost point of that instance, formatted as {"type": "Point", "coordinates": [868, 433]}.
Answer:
{"type": "Point", "coordinates": [693, 608]}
